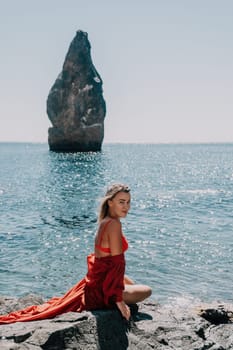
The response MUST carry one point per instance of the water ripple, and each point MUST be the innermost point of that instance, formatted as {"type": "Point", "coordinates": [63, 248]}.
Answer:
{"type": "Point", "coordinates": [179, 227]}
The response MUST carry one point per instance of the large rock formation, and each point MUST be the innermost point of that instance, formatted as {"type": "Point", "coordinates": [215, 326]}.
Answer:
{"type": "Point", "coordinates": [75, 104]}
{"type": "Point", "coordinates": [153, 326]}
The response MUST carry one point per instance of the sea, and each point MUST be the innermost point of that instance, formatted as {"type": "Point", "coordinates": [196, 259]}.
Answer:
{"type": "Point", "coordinates": [179, 228]}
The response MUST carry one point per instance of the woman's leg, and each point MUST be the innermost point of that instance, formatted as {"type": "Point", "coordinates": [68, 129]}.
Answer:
{"type": "Point", "coordinates": [135, 293]}
{"type": "Point", "coordinates": [128, 280]}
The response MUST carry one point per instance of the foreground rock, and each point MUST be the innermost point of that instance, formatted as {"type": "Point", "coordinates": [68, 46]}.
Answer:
{"type": "Point", "coordinates": [152, 326]}
{"type": "Point", "coordinates": [75, 104]}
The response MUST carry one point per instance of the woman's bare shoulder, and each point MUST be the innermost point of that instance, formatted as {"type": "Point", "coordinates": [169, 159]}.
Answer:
{"type": "Point", "coordinates": [114, 224]}
{"type": "Point", "coordinates": [109, 225]}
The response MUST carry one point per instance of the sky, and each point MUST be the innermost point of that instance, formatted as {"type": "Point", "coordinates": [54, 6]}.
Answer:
{"type": "Point", "coordinates": [166, 66]}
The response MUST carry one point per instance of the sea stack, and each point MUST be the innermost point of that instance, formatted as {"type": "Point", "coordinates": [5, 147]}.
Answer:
{"type": "Point", "coordinates": [75, 104]}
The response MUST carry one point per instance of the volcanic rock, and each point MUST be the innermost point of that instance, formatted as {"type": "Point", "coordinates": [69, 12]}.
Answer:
{"type": "Point", "coordinates": [75, 104]}
{"type": "Point", "coordinates": [152, 326]}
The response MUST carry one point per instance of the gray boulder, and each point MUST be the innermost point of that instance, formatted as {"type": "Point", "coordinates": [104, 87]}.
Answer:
{"type": "Point", "coordinates": [75, 104]}
{"type": "Point", "coordinates": [153, 326]}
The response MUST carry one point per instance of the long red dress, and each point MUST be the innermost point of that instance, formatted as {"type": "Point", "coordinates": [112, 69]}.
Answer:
{"type": "Point", "coordinates": [101, 288]}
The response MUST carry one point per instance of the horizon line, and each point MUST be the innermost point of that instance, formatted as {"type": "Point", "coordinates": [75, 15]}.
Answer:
{"type": "Point", "coordinates": [131, 143]}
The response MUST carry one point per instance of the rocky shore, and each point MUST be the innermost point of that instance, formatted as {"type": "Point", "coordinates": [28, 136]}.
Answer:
{"type": "Point", "coordinates": [185, 326]}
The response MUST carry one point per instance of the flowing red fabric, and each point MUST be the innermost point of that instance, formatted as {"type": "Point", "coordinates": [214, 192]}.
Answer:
{"type": "Point", "coordinates": [101, 288]}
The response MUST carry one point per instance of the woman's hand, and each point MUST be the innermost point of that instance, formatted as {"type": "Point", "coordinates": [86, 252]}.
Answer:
{"type": "Point", "coordinates": [124, 309]}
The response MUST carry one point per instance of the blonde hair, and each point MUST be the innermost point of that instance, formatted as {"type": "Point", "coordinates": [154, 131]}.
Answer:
{"type": "Point", "coordinates": [110, 194]}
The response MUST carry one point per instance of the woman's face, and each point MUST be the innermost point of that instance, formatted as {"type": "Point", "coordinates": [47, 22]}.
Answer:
{"type": "Point", "coordinates": [119, 205]}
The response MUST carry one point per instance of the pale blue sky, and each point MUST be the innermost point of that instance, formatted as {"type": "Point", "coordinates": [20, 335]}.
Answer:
{"type": "Point", "coordinates": [167, 66]}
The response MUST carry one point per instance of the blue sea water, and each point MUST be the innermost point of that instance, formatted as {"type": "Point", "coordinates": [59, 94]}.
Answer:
{"type": "Point", "coordinates": [179, 228]}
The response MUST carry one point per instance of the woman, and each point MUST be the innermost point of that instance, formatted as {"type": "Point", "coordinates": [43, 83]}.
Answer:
{"type": "Point", "coordinates": [105, 286]}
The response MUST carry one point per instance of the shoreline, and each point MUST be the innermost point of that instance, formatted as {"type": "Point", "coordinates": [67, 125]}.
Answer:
{"type": "Point", "coordinates": [152, 326]}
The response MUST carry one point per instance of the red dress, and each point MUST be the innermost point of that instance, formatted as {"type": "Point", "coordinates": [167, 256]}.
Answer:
{"type": "Point", "coordinates": [101, 288]}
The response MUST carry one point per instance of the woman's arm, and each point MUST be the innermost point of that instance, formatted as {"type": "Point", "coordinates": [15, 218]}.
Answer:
{"type": "Point", "coordinates": [115, 245]}
{"type": "Point", "coordinates": [115, 237]}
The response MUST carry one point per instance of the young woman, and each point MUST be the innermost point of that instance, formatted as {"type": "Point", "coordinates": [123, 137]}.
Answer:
{"type": "Point", "coordinates": [105, 286]}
